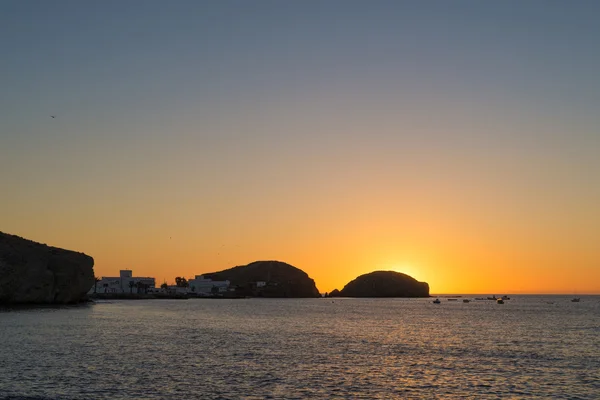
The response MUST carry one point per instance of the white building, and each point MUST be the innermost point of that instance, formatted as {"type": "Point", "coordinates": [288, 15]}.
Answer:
{"type": "Point", "coordinates": [204, 286]}
{"type": "Point", "coordinates": [124, 283]}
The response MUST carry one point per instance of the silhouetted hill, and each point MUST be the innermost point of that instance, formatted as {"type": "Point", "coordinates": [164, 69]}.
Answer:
{"type": "Point", "coordinates": [32, 272]}
{"type": "Point", "coordinates": [281, 280]}
{"type": "Point", "coordinates": [385, 284]}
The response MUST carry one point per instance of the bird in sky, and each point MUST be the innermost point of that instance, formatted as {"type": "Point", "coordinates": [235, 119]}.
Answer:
{"type": "Point", "coordinates": [53, 116]}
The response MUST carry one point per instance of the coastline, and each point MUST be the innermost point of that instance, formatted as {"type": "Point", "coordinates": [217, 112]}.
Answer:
{"type": "Point", "coordinates": [153, 296]}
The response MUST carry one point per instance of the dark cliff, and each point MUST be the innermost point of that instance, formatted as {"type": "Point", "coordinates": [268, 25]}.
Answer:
{"type": "Point", "coordinates": [32, 272]}
{"type": "Point", "coordinates": [280, 280]}
{"type": "Point", "coordinates": [385, 284]}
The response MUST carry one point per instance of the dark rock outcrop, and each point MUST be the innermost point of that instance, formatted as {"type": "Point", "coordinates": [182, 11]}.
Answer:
{"type": "Point", "coordinates": [334, 293]}
{"type": "Point", "coordinates": [33, 273]}
{"type": "Point", "coordinates": [268, 279]}
{"type": "Point", "coordinates": [385, 284]}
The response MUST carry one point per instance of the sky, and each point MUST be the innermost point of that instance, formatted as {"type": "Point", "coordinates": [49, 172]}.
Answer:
{"type": "Point", "coordinates": [455, 141]}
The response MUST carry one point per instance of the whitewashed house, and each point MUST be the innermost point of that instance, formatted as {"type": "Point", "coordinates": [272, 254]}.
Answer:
{"type": "Point", "coordinates": [204, 286]}
{"type": "Point", "coordinates": [124, 283]}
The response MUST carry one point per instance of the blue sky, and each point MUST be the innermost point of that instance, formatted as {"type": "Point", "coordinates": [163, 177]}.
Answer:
{"type": "Point", "coordinates": [74, 54]}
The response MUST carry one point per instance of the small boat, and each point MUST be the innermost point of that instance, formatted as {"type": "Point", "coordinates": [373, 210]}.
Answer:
{"type": "Point", "coordinates": [452, 299]}
{"type": "Point", "coordinates": [500, 301]}
{"type": "Point", "coordinates": [466, 300]}
{"type": "Point", "coordinates": [505, 297]}
{"type": "Point", "coordinates": [436, 301]}
{"type": "Point", "coordinates": [492, 298]}
{"type": "Point", "coordinates": [575, 300]}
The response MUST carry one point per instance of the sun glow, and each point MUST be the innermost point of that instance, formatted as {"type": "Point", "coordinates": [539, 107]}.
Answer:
{"type": "Point", "coordinates": [407, 269]}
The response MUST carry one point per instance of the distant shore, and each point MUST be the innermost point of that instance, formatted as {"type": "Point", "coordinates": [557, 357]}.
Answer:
{"type": "Point", "coordinates": [153, 296]}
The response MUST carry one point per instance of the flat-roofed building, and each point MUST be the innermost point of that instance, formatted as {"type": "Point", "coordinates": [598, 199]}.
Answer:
{"type": "Point", "coordinates": [206, 286]}
{"type": "Point", "coordinates": [124, 283]}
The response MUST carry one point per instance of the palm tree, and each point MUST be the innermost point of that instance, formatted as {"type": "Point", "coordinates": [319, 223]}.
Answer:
{"type": "Point", "coordinates": [96, 280]}
{"type": "Point", "coordinates": [131, 285]}
{"type": "Point", "coordinates": [181, 282]}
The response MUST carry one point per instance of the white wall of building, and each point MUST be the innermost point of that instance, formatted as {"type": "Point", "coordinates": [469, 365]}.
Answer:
{"type": "Point", "coordinates": [121, 283]}
{"type": "Point", "coordinates": [204, 286]}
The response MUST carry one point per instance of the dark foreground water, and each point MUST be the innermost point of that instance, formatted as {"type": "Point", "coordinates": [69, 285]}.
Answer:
{"type": "Point", "coordinates": [530, 347]}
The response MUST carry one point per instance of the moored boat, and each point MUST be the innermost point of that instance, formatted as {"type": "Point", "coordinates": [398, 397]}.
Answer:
{"type": "Point", "coordinates": [436, 301]}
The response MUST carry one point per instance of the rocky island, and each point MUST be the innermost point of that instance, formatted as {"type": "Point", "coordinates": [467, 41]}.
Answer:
{"type": "Point", "coordinates": [35, 273]}
{"type": "Point", "coordinates": [383, 284]}
{"type": "Point", "coordinates": [268, 279]}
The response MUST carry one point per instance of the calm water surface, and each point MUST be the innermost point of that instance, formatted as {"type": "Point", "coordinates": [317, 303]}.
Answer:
{"type": "Point", "coordinates": [530, 347]}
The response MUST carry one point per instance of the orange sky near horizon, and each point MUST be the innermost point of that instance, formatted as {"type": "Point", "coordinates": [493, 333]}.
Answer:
{"type": "Point", "coordinates": [452, 254]}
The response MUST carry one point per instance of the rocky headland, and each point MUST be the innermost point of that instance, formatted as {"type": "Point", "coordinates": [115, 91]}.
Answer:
{"type": "Point", "coordinates": [34, 273]}
{"type": "Point", "coordinates": [268, 279]}
{"type": "Point", "coordinates": [383, 284]}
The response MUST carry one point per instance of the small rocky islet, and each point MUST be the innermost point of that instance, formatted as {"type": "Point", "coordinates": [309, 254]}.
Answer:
{"type": "Point", "coordinates": [383, 284]}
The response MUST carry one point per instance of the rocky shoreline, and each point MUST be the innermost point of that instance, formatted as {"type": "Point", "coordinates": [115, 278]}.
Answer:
{"type": "Point", "coordinates": [155, 296]}
{"type": "Point", "coordinates": [35, 273]}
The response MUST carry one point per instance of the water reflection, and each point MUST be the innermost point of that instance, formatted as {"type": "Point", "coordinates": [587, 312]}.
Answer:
{"type": "Point", "coordinates": [256, 348]}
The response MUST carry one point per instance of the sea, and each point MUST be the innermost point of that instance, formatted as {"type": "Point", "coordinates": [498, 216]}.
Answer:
{"type": "Point", "coordinates": [530, 347]}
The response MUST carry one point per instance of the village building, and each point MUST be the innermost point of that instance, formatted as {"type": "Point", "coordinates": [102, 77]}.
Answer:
{"type": "Point", "coordinates": [206, 287]}
{"type": "Point", "coordinates": [124, 283]}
